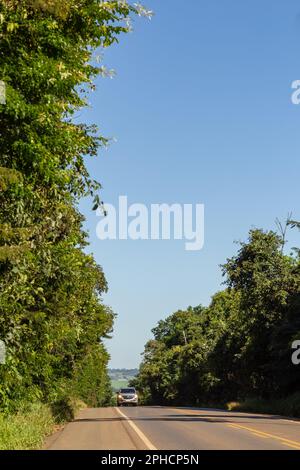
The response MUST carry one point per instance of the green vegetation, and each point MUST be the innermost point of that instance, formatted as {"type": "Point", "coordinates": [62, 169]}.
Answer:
{"type": "Point", "coordinates": [239, 347]}
{"type": "Point", "coordinates": [289, 406]}
{"type": "Point", "coordinates": [52, 317]}
{"type": "Point", "coordinates": [26, 429]}
{"type": "Point", "coordinates": [32, 422]}
{"type": "Point", "coordinates": [117, 384]}
{"type": "Point", "coordinates": [121, 377]}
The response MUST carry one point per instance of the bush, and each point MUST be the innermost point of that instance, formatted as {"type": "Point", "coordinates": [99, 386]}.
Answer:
{"type": "Point", "coordinates": [63, 409]}
{"type": "Point", "coordinates": [91, 382]}
{"type": "Point", "coordinates": [289, 406]}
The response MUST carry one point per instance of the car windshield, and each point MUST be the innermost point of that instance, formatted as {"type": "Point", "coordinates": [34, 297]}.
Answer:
{"type": "Point", "coordinates": [127, 390]}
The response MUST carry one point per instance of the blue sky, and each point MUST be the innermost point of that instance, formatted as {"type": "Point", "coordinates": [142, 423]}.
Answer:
{"type": "Point", "coordinates": [202, 113]}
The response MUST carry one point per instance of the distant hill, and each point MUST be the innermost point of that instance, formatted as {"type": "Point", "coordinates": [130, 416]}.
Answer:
{"type": "Point", "coordinates": [121, 377]}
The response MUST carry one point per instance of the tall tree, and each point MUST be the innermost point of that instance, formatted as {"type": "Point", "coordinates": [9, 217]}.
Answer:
{"type": "Point", "coordinates": [51, 314]}
{"type": "Point", "coordinates": [240, 345]}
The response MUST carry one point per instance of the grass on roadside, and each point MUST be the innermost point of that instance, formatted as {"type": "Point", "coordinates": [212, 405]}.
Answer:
{"type": "Point", "coordinates": [26, 429]}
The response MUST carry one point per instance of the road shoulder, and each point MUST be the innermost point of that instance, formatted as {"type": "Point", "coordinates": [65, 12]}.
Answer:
{"type": "Point", "coordinates": [96, 429]}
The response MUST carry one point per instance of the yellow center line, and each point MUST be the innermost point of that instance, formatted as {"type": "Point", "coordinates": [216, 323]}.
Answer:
{"type": "Point", "coordinates": [255, 433]}
{"type": "Point", "coordinates": [259, 435]}
{"type": "Point", "coordinates": [290, 445]}
{"type": "Point", "coordinates": [283, 440]}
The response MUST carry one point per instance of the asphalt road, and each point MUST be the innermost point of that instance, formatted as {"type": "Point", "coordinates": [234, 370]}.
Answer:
{"type": "Point", "coordinates": [161, 428]}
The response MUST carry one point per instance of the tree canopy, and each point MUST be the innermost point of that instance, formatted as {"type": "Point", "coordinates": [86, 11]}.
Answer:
{"type": "Point", "coordinates": [239, 346]}
{"type": "Point", "coordinates": [52, 318]}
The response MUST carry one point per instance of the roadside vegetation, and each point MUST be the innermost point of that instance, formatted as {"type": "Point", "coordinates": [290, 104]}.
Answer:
{"type": "Point", "coordinates": [236, 352]}
{"type": "Point", "coordinates": [52, 318]}
{"type": "Point", "coordinates": [286, 406]}
{"type": "Point", "coordinates": [27, 428]}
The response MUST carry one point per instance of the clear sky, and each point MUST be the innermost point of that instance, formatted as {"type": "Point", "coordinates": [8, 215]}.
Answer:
{"type": "Point", "coordinates": [202, 113]}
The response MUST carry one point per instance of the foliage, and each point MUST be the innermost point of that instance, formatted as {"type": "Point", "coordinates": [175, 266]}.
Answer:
{"type": "Point", "coordinates": [27, 429]}
{"type": "Point", "coordinates": [52, 318]}
{"type": "Point", "coordinates": [288, 406]}
{"type": "Point", "coordinates": [240, 345]}
{"type": "Point", "coordinates": [91, 381]}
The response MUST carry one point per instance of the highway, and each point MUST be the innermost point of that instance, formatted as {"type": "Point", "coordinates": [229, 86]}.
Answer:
{"type": "Point", "coordinates": [163, 428]}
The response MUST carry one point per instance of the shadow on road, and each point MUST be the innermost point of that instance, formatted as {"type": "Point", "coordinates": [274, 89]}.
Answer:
{"type": "Point", "coordinates": [186, 418]}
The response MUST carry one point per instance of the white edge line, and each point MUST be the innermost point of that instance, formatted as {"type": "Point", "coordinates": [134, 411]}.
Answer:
{"type": "Point", "coordinates": [137, 430]}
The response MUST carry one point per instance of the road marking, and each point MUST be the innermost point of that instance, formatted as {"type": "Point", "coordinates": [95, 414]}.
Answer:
{"type": "Point", "coordinates": [290, 445]}
{"type": "Point", "coordinates": [243, 414]}
{"type": "Point", "coordinates": [259, 435]}
{"type": "Point", "coordinates": [253, 432]}
{"type": "Point", "coordinates": [283, 440]}
{"type": "Point", "coordinates": [137, 430]}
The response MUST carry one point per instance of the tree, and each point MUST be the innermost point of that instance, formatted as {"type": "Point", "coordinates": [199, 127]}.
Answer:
{"type": "Point", "coordinates": [51, 314]}
{"type": "Point", "coordinates": [240, 345]}
{"type": "Point", "coordinates": [264, 277]}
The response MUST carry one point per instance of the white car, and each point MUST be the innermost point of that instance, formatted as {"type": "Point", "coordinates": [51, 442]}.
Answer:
{"type": "Point", "coordinates": [127, 396]}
